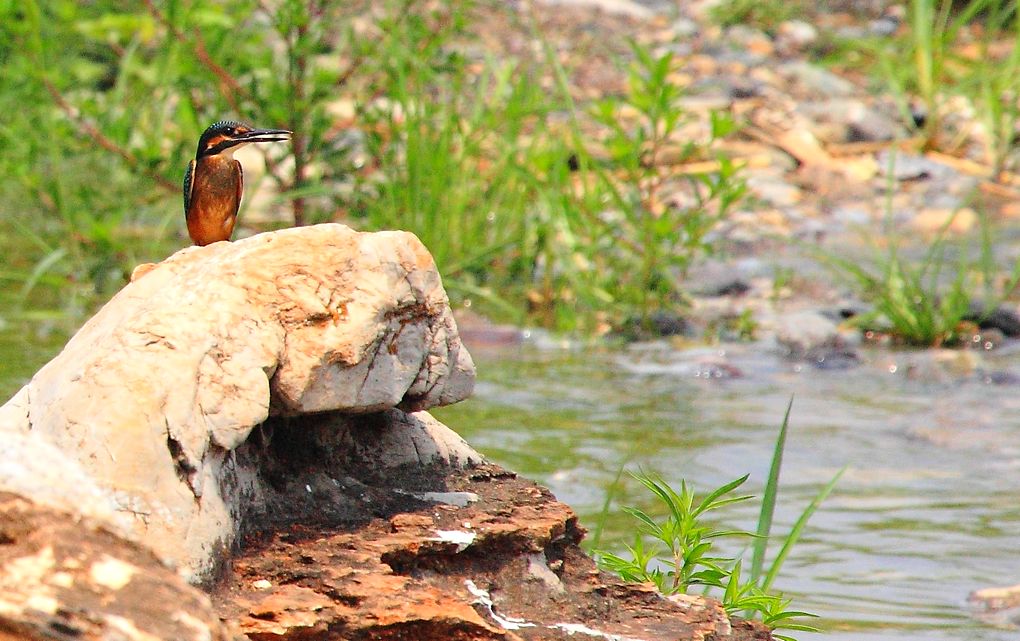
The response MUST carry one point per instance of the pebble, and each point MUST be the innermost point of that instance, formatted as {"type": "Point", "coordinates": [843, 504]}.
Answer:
{"type": "Point", "coordinates": [833, 358]}
{"type": "Point", "coordinates": [851, 215]}
{"type": "Point", "coordinates": [805, 332]}
{"type": "Point", "coordinates": [795, 35]}
{"type": "Point", "coordinates": [872, 125]}
{"type": "Point", "coordinates": [751, 40]}
{"type": "Point", "coordinates": [773, 190]}
{"type": "Point", "coordinates": [613, 7]}
{"type": "Point", "coordinates": [685, 28]}
{"type": "Point", "coordinates": [933, 219]}
{"type": "Point", "coordinates": [885, 26]}
{"type": "Point", "coordinates": [816, 81]}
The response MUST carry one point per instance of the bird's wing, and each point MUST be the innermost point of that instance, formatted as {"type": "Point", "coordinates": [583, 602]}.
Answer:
{"type": "Point", "coordinates": [189, 184]}
{"type": "Point", "coordinates": [240, 185]}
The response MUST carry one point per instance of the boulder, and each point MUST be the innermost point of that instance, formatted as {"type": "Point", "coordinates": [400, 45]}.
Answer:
{"type": "Point", "coordinates": [61, 578]}
{"type": "Point", "coordinates": [154, 396]}
{"type": "Point", "coordinates": [253, 413]}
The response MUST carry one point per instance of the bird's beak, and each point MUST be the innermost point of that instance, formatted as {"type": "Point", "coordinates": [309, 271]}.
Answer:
{"type": "Point", "coordinates": [264, 135]}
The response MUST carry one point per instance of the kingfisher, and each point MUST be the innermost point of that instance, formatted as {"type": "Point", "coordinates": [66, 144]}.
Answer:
{"type": "Point", "coordinates": [214, 181]}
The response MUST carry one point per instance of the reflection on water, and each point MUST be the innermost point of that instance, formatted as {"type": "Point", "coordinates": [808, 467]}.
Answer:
{"type": "Point", "coordinates": [926, 513]}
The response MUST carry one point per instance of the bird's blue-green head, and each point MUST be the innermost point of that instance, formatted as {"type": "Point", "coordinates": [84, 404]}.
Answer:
{"type": "Point", "coordinates": [226, 136]}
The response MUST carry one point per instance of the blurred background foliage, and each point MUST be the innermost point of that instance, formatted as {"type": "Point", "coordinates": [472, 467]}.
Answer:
{"type": "Point", "coordinates": [395, 127]}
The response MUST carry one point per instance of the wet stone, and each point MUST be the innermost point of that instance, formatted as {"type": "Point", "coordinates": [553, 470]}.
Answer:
{"type": "Point", "coordinates": [1004, 319]}
{"type": "Point", "coordinates": [805, 332]}
{"type": "Point", "coordinates": [833, 358]}
{"type": "Point", "coordinates": [658, 324]}
{"type": "Point", "coordinates": [1001, 377]}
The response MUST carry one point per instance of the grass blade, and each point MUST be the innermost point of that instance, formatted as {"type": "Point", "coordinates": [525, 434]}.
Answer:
{"type": "Point", "coordinates": [768, 501]}
{"type": "Point", "coordinates": [798, 527]}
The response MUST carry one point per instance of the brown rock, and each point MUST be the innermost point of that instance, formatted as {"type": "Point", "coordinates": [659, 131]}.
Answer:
{"type": "Point", "coordinates": [62, 579]}
{"type": "Point", "coordinates": [243, 396]}
{"type": "Point", "coordinates": [507, 567]}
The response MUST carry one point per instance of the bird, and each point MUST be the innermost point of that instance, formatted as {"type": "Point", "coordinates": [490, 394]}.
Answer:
{"type": "Point", "coordinates": [214, 180]}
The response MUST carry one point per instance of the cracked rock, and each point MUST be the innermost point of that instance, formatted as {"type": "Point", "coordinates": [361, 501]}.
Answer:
{"type": "Point", "coordinates": [156, 393]}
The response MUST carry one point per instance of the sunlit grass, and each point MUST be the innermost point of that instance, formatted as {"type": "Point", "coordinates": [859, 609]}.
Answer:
{"type": "Point", "coordinates": [676, 552]}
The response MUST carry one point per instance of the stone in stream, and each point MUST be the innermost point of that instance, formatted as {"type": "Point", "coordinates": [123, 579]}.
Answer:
{"type": "Point", "coordinates": [810, 336]}
{"type": "Point", "coordinates": [251, 413]}
{"type": "Point", "coordinates": [1004, 319]}
{"type": "Point", "coordinates": [998, 606]}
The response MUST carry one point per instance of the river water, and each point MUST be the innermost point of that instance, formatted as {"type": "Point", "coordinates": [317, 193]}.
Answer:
{"type": "Point", "coordinates": [926, 513]}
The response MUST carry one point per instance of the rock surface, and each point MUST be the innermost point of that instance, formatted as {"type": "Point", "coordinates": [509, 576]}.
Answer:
{"type": "Point", "coordinates": [62, 579]}
{"type": "Point", "coordinates": [154, 396]}
{"type": "Point", "coordinates": [505, 566]}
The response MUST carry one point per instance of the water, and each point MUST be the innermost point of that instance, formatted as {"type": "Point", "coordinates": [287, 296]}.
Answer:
{"type": "Point", "coordinates": [926, 512]}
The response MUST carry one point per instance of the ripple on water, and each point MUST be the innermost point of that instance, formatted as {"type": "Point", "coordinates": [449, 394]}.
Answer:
{"type": "Point", "coordinates": [925, 514]}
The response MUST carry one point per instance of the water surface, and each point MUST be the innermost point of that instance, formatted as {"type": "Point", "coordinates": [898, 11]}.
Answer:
{"type": "Point", "coordinates": [926, 512]}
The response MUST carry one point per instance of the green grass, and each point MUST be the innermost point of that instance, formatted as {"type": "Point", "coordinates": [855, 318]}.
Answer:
{"type": "Point", "coordinates": [916, 303]}
{"type": "Point", "coordinates": [952, 51]}
{"type": "Point", "coordinates": [475, 156]}
{"type": "Point", "coordinates": [930, 301]}
{"type": "Point", "coordinates": [766, 15]}
{"type": "Point", "coordinates": [676, 552]}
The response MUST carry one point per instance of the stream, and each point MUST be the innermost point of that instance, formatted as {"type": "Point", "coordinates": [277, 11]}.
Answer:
{"type": "Point", "coordinates": [926, 512]}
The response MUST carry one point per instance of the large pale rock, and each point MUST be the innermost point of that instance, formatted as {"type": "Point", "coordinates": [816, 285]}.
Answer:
{"type": "Point", "coordinates": [157, 391]}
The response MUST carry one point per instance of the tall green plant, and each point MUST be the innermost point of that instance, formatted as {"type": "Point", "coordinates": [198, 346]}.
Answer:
{"type": "Point", "coordinates": [928, 65]}
{"type": "Point", "coordinates": [687, 539]}
{"type": "Point", "coordinates": [676, 553]}
{"type": "Point", "coordinates": [654, 241]}
{"type": "Point", "coordinates": [997, 80]}
{"type": "Point", "coordinates": [393, 128]}
{"type": "Point", "coordinates": [136, 85]}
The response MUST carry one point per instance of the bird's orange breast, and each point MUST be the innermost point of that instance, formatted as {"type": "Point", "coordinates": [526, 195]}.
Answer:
{"type": "Point", "coordinates": [215, 198]}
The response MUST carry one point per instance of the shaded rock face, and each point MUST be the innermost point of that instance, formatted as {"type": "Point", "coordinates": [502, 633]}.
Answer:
{"type": "Point", "coordinates": [319, 470]}
{"type": "Point", "coordinates": [506, 565]}
{"type": "Point", "coordinates": [156, 393]}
